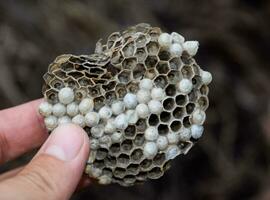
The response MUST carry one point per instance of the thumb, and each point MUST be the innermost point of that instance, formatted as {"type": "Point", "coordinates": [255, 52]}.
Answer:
{"type": "Point", "coordinates": [56, 169]}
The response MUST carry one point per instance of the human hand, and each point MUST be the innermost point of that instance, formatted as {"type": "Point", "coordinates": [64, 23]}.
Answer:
{"type": "Point", "coordinates": [55, 170]}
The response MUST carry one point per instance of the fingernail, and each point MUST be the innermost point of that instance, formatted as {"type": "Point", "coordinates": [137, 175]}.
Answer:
{"type": "Point", "coordinates": [65, 142]}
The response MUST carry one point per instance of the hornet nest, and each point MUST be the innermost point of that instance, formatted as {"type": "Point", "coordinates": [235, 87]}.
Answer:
{"type": "Point", "coordinates": [141, 97]}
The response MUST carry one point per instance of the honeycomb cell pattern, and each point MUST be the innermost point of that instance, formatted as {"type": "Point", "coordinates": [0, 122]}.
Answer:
{"type": "Point", "coordinates": [141, 98]}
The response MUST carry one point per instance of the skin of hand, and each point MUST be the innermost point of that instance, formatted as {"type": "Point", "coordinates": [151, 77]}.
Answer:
{"type": "Point", "coordinates": [57, 168]}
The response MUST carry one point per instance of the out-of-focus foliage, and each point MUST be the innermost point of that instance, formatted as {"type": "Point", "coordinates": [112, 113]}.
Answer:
{"type": "Point", "coordinates": [232, 161]}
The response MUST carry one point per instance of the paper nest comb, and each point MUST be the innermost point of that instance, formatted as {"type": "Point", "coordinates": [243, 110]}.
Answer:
{"type": "Point", "coordinates": [141, 97]}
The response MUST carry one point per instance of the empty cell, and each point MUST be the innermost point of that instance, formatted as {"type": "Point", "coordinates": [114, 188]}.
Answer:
{"type": "Point", "coordinates": [186, 122]}
{"type": "Point", "coordinates": [129, 179]}
{"type": "Point", "coordinates": [129, 63]}
{"type": "Point", "coordinates": [107, 172]}
{"type": "Point", "coordinates": [123, 159]}
{"type": "Point", "coordinates": [85, 82]}
{"type": "Point", "coordinates": [139, 140]}
{"type": "Point", "coordinates": [163, 67]}
{"type": "Point", "coordinates": [142, 176]}
{"type": "Point", "coordinates": [181, 100]}
{"type": "Point", "coordinates": [110, 161]}
{"type": "Point", "coordinates": [151, 62]}
{"type": "Point", "coordinates": [178, 112]}
{"type": "Point", "coordinates": [115, 148]}
{"type": "Point", "coordinates": [130, 131]}
{"type": "Point", "coordinates": [187, 72]}
{"type": "Point", "coordinates": [67, 66]}
{"type": "Point", "coordinates": [121, 91]}
{"type": "Point", "coordinates": [170, 90]}
{"type": "Point", "coordinates": [190, 108]}
{"type": "Point", "coordinates": [80, 94]}
{"type": "Point", "coordinates": [94, 91]}
{"type": "Point", "coordinates": [138, 71]}
{"type": "Point", "coordinates": [119, 172]}
{"type": "Point", "coordinates": [161, 81]}
{"type": "Point", "coordinates": [193, 96]}
{"type": "Point", "coordinates": [141, 125]}
{"type": "Point", "coordinates": [126, 145]}
{"type": "Point", "coordinates": [165, 116]}
{"type": "Point", "coordinates": [186, 59]}
{"type": "Point", "coordinates": [151, 73]}
{"type": "Point", "coordinates": [141, 41]}
{"type": "Point", "coordinates": [136, 155]}
{"type": "Point", "coordinates": [153, 120]}
{"type": "Point", "coordinates": [112, 69]}
{"type": "Point", "coordinates": [133, 87]}
{"type": "Point", "coordinates": [110, 97]}
{"type": "Point", "coordinates": [168, 104]}
{"type": "Point", "coordinates": [129, 49]}
{"type": "Point", "coordinates": [101, 153]}
{"type": "Point", "coordinates": [163, 129]}
{"type": "Point", "coordinates": [52, 96]}
{"type": "Point", "coordinates": [146, 164]}
{"type": "Point", "coordinates": [141, 54]}
{"type": "Point", "coordinates": [57, 84]}
{"type": "Point", "coordinates": [124, 76]}
{"type": "Point", "coordinates": [133, 169]}
{"type": "Point", "coordinates": [99, 102]}
{"type": "Point", "coordinates": [164, 55]}
{"type": "Point", "coordinates": [155, 173]}
{"type": "Point", "coordinates": [152, 48]}
{"type": "Point", "coordinates": [204, 90]}
{"type": "Point", "coordinates": [175, 63]}
{"type": "Point", "coordinates": [176, 126]}
{"type": "Point", "coordinates": [99, 164]}
{"type": "Point", "coordinates": [203, 102]}
{"type": "Point", "coordinates": [159, 159]}
{"type": "Point", "coordinates": [197, 81]}
{"type": "Point", "coordinates": [174, 77]}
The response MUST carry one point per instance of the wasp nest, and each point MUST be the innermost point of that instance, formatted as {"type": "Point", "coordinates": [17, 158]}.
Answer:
{"type": "Point", "coordinates": [141, 97]}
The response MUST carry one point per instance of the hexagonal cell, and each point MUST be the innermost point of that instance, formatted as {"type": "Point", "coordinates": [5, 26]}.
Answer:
{"type": "Point", "coordinates": [139, 140]}
{"type": "Point", "coordinates": [96, 70]}
{"type": "Point", "coordinates": [141, 54]}
{"type": "Point", "coordinates": [136, 155]}
{"type": "Point", "coordinates": [163, 129]}
{"type": "Point", "coordinates": [112, 69]}
{"type": "Point", "coordinates": [133, 169]}
{"type": "Point", "coordinates": [129, 63]}
{"type": "Point", "coordinates": [164, 55]}
{"type": "Point", "coordinates": [121, 90]}
{"type": "Point", "coordinates": [152, 48]}
{"type": "Point", "coordinates": [145, 164]}
{"type": "Point", "coordinates": [151, 61]}
{"type": "Point", "coordinates": [119, 172]}
{"type": "Point", "coordinates": [155, 173]}
{"type": "Point", "coordinates": [107, 172]}
{"type": "Point", "coordinates": [185, 146]}
{"type": "Point", "coordinates": [57, 84]}
{"type": "Point", "coordinates": [141, 41]}
{"type": "Point", "coordinates": [85, 82]}
{"type": "Point", "coordinates": [168, 104]}
{"type": "Point", "coordinates": [175, 63]}
{"type": "Point", "coordinates": [142, 176]}
{"type": "Point", "coordinates": [110, 161]}
{"type": "Point", "coordinates": [178, 112]}
{"type": "Point", "coordinates": [203, 102]}
{"type": "Point", "coordinates": [170, 90]}
{"type": "Point", "coordinates": [139, 71]}
{"type": "Point", "coordinates": [163, 67]}
{"type": "Point", "coordinates": [123, 160]}
{"type": "Point", "coordinates": [153, 120]}
{"type": "Point", "coordinates": [141, 125]}
{"type": "Point", "coordinates": [67, 66]}
{"type": "Point", "coordinates": [94, 91]}
{"type": "Point", "coordinates": [52, 95]}
{"type": "Point", "coordinates": [124, 76]}
{"type": "Point", "coordinates": [186, 59]}
{"type": "Point", "coordinates": [114, 149]}
{"type": "Point", "coordinates": [60, 74]}
{"type": "Point", "coordinates": [161, 81]}
{"type": "Point", "coordinates": [116, 58]}
{"type": "Point", "coordinates": [110, 86]}
{"type": "Point", "coordinates": [128, 49]}
{"type": "Point", "coordinates": [174, 76]}
{"type": "Point", "coordinates": [159, 159]}
{"type": "Point", "coordinates": [204, 90]}
{"type": "Point", "coordinates": [166, 166]}
{"type": "Point", "coordinates": [126, 145]}
{"type": "Point", "coordinates": [80, 94]}
{"type": "Point", "coordinates": [181, 100]}
{"type": "Point", "coordinates": [99, 164]}
{"type": "Point", "coordinates": [133, 87]}
{"type": "Point", "coordinates": [129, 179]}
{"type": "Point", "coordinates": [165, 116]}
{"type": "Point", "coordinates": [130, 131]}
{"type": "Point", "coordinates": [99, 102]}
{"type": "Point", "coordinates": [176, 126]}
{"type": "Point", "coordinates": [101, 154]}
{"type": "Point", "coordinates": [110, 97]}
{"type": "Point", "coordinates": [197, 81]}
{"type": "Point", "coordinates": [151, 73]}
{"type": "Point", "coordinates": [186, 122]}
{"type": "Point", "coordinates": [187, 72]}
{"type": "Point", "coordinates": [190, 108]}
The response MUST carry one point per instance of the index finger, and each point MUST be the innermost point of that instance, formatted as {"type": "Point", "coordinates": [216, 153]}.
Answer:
{"type": "Point", "coordinates": [21, 129]}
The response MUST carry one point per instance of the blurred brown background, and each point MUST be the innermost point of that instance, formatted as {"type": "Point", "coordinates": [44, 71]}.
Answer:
{"type": "Point", "coordinates": [232, 161]}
